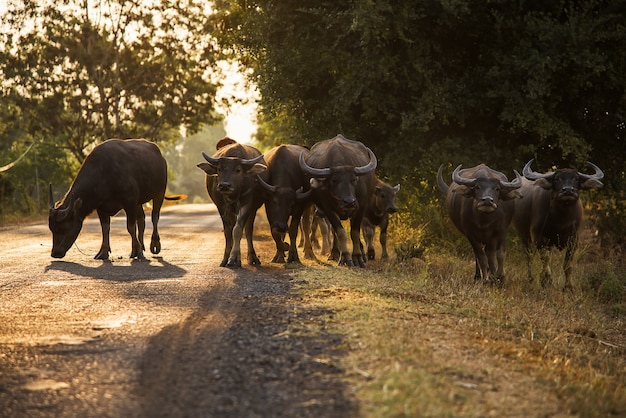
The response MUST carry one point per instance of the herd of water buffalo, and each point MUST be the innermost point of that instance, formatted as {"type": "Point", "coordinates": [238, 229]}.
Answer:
{"type": "Point", "coordinates": [334, 179]}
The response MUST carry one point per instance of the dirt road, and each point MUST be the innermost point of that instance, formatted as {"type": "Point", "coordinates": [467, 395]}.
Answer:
{"type": "Point", "coordinates": [174, 335]}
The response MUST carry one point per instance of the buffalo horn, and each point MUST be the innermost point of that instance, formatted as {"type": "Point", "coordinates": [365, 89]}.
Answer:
{"type": "Point", "coordinates": [515, 184]}
{"type": "Point", "coordinates": [213, 161]}
{"type": "Point", "coordinates": [598, 175]}
{"type": "Point", "coordinates": [463, 181]}
{"type": "Point", "coordinates": [266, 185]}
{"type": "Point", "coordinates": [300, 194]}
{"type": "Point", "coordinates": [369, 167]}
{"type": "Point", "coordinates": [252, 161]}
{"type": "Point", "coordinates": [314, 172]}
{"type": "Point", "coordinates": [50, 198]}
{"type": "Point", "coordinates": [533, 175]}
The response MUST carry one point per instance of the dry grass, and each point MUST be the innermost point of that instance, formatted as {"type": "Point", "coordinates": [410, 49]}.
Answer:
{"type": "Point", "coordinates": [422, 339]}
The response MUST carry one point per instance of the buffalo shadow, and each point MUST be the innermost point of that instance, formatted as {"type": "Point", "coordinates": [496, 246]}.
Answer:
{"type": "Point", "coordinates": [144, 269]}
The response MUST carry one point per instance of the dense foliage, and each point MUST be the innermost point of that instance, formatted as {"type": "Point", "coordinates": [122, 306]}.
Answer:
{"type": "Point", "coordinates": [443, 81]}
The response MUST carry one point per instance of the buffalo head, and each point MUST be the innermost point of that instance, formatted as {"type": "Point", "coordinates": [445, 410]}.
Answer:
{"type": "Point", "coordinates": [385, 198]}
{"type": "Point", "coordinates": [486, 187]}
{"type": "Point", "coordinates": [340, 181]}
{"type": "Point", "coordinates": [65, 224]}
{"type": "Point", "coordinates": [279, 203]}
{"type": "Point", "coordinates": [565, 183]}
{"type": "Point", "coordinates": [231, 172]}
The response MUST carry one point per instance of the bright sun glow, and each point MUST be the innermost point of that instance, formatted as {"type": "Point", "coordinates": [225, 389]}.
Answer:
{"type": "Point", "coordinates": [240, 116]}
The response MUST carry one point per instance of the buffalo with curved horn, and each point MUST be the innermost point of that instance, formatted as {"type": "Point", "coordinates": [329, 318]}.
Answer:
{"type": "Point", "coordinates": [286, 192]}
{"type": "Point", "coordinates": [550, 213]}
{"type": "Point", "coordinates": [230, 182]}
{"type": "Point", "coordinates": [479, 202]}
{"type": "Point", "coordinates": [341, 173]}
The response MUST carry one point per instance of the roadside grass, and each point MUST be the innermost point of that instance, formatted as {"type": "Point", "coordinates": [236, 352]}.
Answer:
{"type": "Point", "coordinates": [415, 328]}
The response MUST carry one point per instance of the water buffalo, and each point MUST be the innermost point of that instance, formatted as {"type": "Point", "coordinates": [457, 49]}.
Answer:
{"type": "Point", "coordinates": [341, 174]}
{"type": "Point", "coordinates": [550, 213]}
{"type": "Point", "coordinates": [381, 205]}
{"type": "Point", "coordinates": [231, 184]}
{"type": "Point", "coordinates": [117, 174]}
{"type": "Point", "coordinates": [479, 204]}
{"type": "Point", "coordinates": [284, 195]}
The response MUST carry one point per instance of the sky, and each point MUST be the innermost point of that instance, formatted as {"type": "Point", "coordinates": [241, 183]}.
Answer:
{"type": "Point", "coordinates": [240, 118]}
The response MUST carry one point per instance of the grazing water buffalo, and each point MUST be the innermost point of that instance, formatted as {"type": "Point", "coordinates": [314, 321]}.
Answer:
{"type": "Point", "coordinates": [479, 204]}
{"type": "Point", "coordinates": [381, 205]}
{"type": "Point", "coordinates": [231, 184]}
{"type": "Point", "coordinates": [117, 174]}
{"type": "Point", "coordinates": [284, 196]}
{"type": "Point", "coordinates": [341, 174]}
{"type": "Point", "coordinates": [550, 213]}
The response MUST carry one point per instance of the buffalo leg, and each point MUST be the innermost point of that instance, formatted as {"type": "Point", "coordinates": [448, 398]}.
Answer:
{"type": "Point", "coordinates": [341, 240]}
{"type": "Point", "coordinates": [546, 272]}
{"type": "Point", "coordinates": [131, 227]}
{"type": "Point", "coordinates": [228, 223]}
{"type": "Point", "coordinates": [141, 226]}
{"type": "Point", "coordinates": [326, 232]}
{"type": "Point", "coordinates": [383, 238]}
{"type": "Point", "coordinates": [482, 264]}
{"type": "Point", "coordinates": [105, 248]}
{"type": "Point", "coordinates": [355, 234]}
{"type": "Point", "coordinates": [294, 226]}
{"type": "Point", "coordinates": [567, 262]}
{"type": "Point", "coordinates": [281, 246]}
{"type": "Point", "coordinates": [155, 240]}
{"type": "Point", "coordinates": [253, 259]}
{"type": "Point", "coordinates": [368, 235]}
{"type": "Point", "coordinates": [306, 224]}
{"type": "Point", "coordinates": [243, 221]}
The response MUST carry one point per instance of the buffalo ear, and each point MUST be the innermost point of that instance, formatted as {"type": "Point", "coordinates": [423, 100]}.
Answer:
{"type": "Point", "coordinates": [208, 168]}
{"type": "Point", "coordinates": [511, 194]}
{"type": "Point", "coordinates": [316, 183]}
{"type": "Point", "coordinates": [257, 169]}
{"type": "Point", "coordinates": [78, 204]}
{"type": "Point", "coordinates": [544, 183]}
{"type": "Point", "coordinates": [465, 191]}
{"type": "Point", "coordinates": [590, 184]}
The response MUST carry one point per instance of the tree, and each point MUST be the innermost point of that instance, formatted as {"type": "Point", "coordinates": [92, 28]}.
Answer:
{"type": "Point", "coordinates": [85, 71]}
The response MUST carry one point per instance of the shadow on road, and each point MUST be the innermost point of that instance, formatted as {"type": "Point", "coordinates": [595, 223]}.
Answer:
{"type": "Point", "coordinates": [157, 268]}
{"type": "Point", "coordinates": [247, 351]}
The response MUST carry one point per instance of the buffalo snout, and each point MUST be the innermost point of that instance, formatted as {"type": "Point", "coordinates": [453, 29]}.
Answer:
{"type": "Point", "coordinates": [280, 227]}
{"type": "Point", "coordinates": [392, 210]}
{"type": "Point", "coordinates": [349, 202]}
{"type": "Point", "coordinates": [568, 193]}
{"type": "Point", "coordinates": [56, 253]}
{"type": "Point", "coordinates": [224, 186]}
{"type": "Point", "coordinates": [486, 204]}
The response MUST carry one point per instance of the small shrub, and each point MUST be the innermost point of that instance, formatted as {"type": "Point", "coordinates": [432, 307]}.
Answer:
{"type": "Point", "coordinates": [611, 290]}
{"type": "Point", "coordinates": [409, 249]}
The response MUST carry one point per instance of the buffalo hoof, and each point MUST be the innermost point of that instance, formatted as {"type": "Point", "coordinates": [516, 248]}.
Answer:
{"type": "Point", "coordinates": [224, 263]}
{"type": "Point", "coordinates": [138, 256]}
{"type": "Point", "coordinates": [155, 247]}
{"type": "Point", "coordinates": [371, 254]}
{"type": "Point", "coordinates": [253, 260]}
{"type": "Point", "coordinates": [279, 258]}
{"type": "Point", "coordinates": [345, 261]}
{"type": "Point", "coordinates": [102, 256]}
{"type": "Point", "coordinates": [233, 263]}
